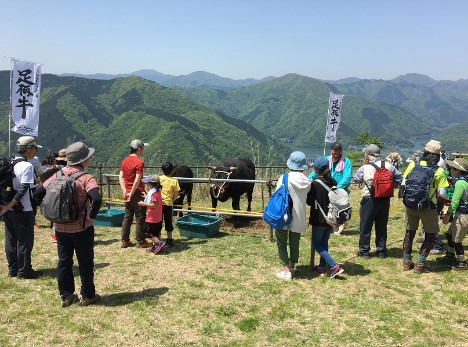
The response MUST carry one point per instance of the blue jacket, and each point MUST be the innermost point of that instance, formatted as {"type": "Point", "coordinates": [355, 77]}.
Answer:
{"type": "Point", "coordinates": [342, 178]}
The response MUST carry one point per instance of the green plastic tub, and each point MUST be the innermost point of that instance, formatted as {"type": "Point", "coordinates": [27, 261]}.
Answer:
{"type": "Point", "coordinates": [109, 218]}
{"type": "Point", "coordinates": [197, 225]}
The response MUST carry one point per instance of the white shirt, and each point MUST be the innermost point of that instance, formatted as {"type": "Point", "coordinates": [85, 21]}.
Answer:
{"type": "Point", "coordinates": [24, 173]}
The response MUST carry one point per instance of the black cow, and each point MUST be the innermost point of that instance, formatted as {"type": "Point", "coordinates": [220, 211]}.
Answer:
{"type": "Point", "coordinates": [185, 187]}
{"type": "Point", "coordinates": [239, 168]}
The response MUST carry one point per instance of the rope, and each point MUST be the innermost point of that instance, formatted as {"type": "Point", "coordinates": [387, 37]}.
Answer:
{"type": "Point", "coordinates": [217, 209]}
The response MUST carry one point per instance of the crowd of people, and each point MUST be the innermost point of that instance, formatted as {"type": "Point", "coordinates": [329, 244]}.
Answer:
{"type": "Point", "coordinates": [336, 171]}
{"type": "Point", "coordinates": [149, 201]}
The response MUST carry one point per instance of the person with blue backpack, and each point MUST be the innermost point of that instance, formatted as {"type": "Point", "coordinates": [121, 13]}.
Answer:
{"type": "Point", "coordinates": [298, 186]}
{"type": "Point", "coordinates": [423, 182]}
{"type": "Point", "coordinates": [457, 216]}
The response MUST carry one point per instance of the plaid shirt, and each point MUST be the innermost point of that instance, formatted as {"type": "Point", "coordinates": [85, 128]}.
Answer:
{"type": "Point", "coordinates": [83, 185]}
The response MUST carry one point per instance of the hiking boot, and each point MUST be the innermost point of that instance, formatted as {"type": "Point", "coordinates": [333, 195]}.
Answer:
{"type": "Point", "coordinates": [144, 244]}
{"type": "Point", "coordinates": [86, 301]}
{"type": "Point", "coordinates": [69, 300]}
{"type": "Point", "coordinates": [408, 265]}
{"type": "Point", "coordinates": [320, 271]}
{"type": "Point", "coordinates": [170, 242]}
{"type": "Point", "coordinates": [126, 244]}
{"type": "Point", "coordinates": [447, 259]}
{"type": "Point", "coordinates": [30, 275]}
{"type": "Point", "coordinates": [335, 271]}
{"type": "Point", "coordinates": [419, 268]}
{"type": "Point", "coordinates": [460, 265]}
{"type": "Point", "coordinates": [364, 255]}
{"type": "Point", "coordinates": [381, 255]}
{"type": "Point", "coordinates": [284, 275]}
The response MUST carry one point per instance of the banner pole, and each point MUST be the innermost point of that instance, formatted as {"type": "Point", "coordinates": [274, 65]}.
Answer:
{"type": "Point", "coordinates": [11, 105]}
{"type": "Point", "coordinates": [326, 127]}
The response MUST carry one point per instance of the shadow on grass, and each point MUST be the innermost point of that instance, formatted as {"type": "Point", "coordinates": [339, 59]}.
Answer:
{"type": "Point", "coordinates": [353, 269]}
{"type": "Point", "coordinates": [181, 245]}
{"type": "Point", "coordinates": [125, 298]}
{"type": "Point", "coordinates": [105, 242]}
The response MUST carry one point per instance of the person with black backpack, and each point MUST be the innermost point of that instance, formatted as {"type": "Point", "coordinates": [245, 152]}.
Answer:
{"type": "Point", "coordinates": [423, 182]}
{"type": "Point", "coordinates": [18, 213]}
{"type": "Point", "coordinates": [379, 179]}
{"type": "Point", "coordinates": [318, 200]}
{"type": "Point", "coordinates": [75, 231]}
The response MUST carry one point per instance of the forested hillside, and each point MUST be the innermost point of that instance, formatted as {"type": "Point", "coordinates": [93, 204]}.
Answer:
{"type": "Point", "coordinates": [108, 114]}
{"type": "Point", "coordinates": [293, 108]}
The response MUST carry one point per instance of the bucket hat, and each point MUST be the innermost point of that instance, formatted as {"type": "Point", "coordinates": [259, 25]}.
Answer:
{"type": "Point", "coordinates": [77, 153]}
{"type": "Point", "coordinates": [297, 161]}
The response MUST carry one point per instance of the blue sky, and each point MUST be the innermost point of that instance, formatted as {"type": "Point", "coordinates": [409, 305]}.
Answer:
{"type": "Point", "coordinates": [240, 38]}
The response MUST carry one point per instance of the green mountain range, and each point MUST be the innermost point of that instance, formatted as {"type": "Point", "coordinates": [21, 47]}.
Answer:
{"type": "Point", "coordinates": [293, 108]}
{"type": "Point", "coordinates": [108, 114]}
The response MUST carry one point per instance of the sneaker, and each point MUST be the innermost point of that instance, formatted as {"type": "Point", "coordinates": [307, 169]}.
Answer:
{"type": "Point", "coordinates": [381, 255]}
{"type": "Point", "coordinates": [54, 238]}
{"type": "Point", "coordinates": [408, 265]}
{"type": "Point", "coordinates": [126, 244]}
{"type": "Point", "coordinates": [419, 268]}
{"type": "Point", "coordinates": [144, 244]}
{"type": "Point", "coordinates": [85, 301]}
{"type": "Point", "coordinates": [284, 275]}
{"type": "Point", "coordinates": [320, 271]}
{"type": "Point", "coordinates": [447, 259]}
{"type": "Point", "coordinates": [69, 300]}
{"type": "Point", "coordinates": [170, 242]}
{"type": "Point", "coordinates": [157, 247]}
{"type": "Point", "coordinates": [31, 275]}
{"type": "Point", "coordinates": [460, 265]}
{"type": "Point", "coordinates": [365, 255]}
{"type": "Point", "coordinates": [336, 271]}
{"type": "Point", "coordinates": [436, 251]}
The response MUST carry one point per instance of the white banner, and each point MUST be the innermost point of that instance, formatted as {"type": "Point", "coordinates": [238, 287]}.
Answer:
{"type": "Point", "coordinates": [25, 92]}
{"type": "Point", "coordinates": [334, 117]}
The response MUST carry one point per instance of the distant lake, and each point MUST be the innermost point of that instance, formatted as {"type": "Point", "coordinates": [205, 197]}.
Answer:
{"type": "Point", "coordinates": [312, 152]}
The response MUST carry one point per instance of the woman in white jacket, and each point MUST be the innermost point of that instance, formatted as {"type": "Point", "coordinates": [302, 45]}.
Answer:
{"type": "Point", "coordinates": [298, 187]}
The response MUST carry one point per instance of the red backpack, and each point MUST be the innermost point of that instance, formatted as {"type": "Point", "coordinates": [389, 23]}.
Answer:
{"type": "Point", "coordinates": [382, 183]}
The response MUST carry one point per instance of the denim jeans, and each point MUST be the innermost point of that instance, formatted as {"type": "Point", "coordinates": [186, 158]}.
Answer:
{"type": "Point", "coordinates": [320, 236]}
{"type": "Point", "coordinates": [82, 244]}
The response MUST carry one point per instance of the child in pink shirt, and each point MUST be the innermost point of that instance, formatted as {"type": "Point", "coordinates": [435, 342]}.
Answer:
{"type": "Point", "coordinates": [153, 204]}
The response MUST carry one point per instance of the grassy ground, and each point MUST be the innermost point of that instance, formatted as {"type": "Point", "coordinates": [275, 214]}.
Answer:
{"type": "Point", "coordinates": [223, 292]}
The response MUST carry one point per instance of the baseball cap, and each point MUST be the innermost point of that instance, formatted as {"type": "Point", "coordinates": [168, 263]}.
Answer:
{"type": "Point", "coordinates": [320, 163]}
{"type": "Point", "coordinates": [336, 145]}
{"type": "Point", "coordinates": [135, 144]}
{"type": "Point", "coordinates": [27, 141]}
{"type": "Point", "coordinates": [151, 178]}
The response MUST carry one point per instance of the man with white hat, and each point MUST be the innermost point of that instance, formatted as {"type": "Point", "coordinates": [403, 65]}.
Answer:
{"type": "Point", "coordinates": [19, 214]}
{"type": "Point", "coordinates": [427, 215]}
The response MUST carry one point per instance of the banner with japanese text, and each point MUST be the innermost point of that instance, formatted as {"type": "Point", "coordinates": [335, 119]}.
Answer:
{"type": "Point", "coordinates": [334, 117]}
{"type": "Point", "coordinates": [25, 93]}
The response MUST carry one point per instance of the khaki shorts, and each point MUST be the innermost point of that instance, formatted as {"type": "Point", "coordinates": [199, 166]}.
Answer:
{"type": "Point", "coordinates": [458, 227]}
{"type": "Point", "coordinates": [428, 217]}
